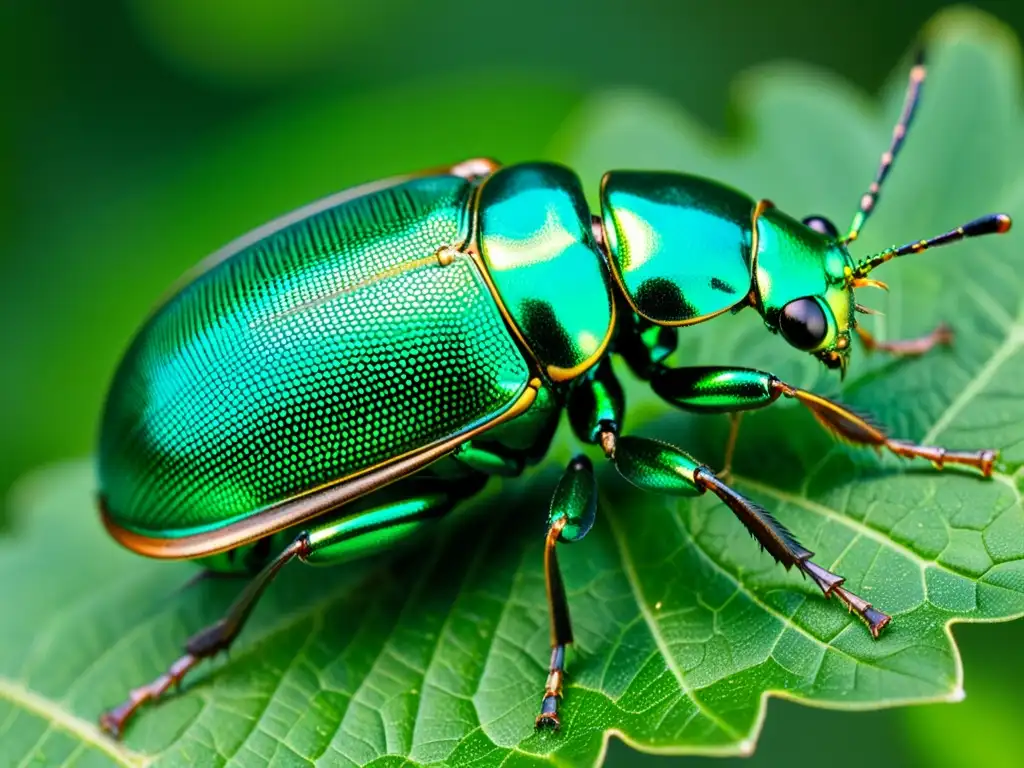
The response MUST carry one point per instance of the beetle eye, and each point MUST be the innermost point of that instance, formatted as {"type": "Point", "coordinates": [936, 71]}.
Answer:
{"type": "Point", "coordinates": [803, 323]}
{"type": "Point", "coordinates": [822, 226]}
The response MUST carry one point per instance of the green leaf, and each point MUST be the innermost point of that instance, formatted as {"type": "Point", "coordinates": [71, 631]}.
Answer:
{"type": "Point", "coordinates": [438, 654]}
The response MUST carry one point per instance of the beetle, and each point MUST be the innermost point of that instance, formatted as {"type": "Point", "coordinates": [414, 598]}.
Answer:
{"type": "Point", "coordinates": [328, 384]}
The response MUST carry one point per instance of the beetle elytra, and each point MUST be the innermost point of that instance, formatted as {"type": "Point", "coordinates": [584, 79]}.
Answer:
{"type": "Point", "coordinates": [330, 383]}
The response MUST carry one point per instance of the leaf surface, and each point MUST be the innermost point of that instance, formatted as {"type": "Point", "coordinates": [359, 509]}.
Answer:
{"type": "Point", "coordinates": [437, 655]}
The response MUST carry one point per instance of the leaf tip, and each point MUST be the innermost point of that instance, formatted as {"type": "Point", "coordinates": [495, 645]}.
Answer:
{"type": "Point", "coordinates": [957, 695]}
{"type": "Point", "coordinates": [960, 21]}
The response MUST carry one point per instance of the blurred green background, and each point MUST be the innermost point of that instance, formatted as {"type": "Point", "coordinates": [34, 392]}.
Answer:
{"type": "Point", "coordinates": [139, 135]}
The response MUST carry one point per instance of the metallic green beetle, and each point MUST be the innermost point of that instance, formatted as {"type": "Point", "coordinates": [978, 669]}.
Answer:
{"type": "Point", "coordinates": [329, 383]}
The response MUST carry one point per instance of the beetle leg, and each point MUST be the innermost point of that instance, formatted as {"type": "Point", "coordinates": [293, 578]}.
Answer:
{"type": "Point", "coordinates": [205, 643]}
{"type": "Point", "coordinates": [942, 334]}
{"type": "Point", "coordinates": [572, 514]}
{"type": "Point", "coordinates": [730, 443]}
{"type": "Point", "coordinates": [714, 390]}
{"type": "Point", "coordinates": [410, 504]}
{"type": "Point", "coordinates": [662, 468]}
{"type": "Point", "coordinates": [783, 546]}
{"type": "Point", "coordinates": [487, 461]}
{"type": "Point", "coordinates": [850, 426]}
{"type": "Point", "coordinates": [561, 631]}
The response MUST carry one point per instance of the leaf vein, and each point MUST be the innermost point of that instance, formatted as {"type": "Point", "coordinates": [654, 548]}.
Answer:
{"type": "Point", "coordinates": [433, 659]}
{"type": "Point", "coordinates": [280, 681]}
{"type": "Point", "coordinates": [786, 620]}
{"type": "Point", "coordinates": [1011, 344]}
{"type": "Point", "coordinates": [56, 716]}
{"type": "Point", "coordinates": [851, 522]}
{"type": "Point", "coordinates": [652, 624]}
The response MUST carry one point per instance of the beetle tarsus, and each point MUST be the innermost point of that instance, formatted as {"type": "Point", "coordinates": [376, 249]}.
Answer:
{"type": "Point", "coordinates": [832, 584]}
{"type": "Point", "coordinates": [984, 460]}
{"type": "Point", "coordinates": [114, 720]}
{"type": "Point", "coordinates": [205, 643]}
{"type": "Point", "coordinates": [566, 508]}
{"type": "Point", "coordinates": [202, 645]}
{"type": "Point", "coordinates": [860, 430]}
{"type": "Point", "coordinates": [875, 619]}
{"type": "Point", "coordinates": [548, 717]}
{"type": "Point", "coordinates": [785, 548]}
{"type": "Point", "coordinates": [942, 335]}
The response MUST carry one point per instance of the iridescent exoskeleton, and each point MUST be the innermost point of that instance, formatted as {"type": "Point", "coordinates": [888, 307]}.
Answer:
{"type": "Point", "coordinates": [330, 383]}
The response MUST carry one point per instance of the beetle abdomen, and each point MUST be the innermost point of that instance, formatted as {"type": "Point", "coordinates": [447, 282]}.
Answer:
{"type": "Point", "coordinates": [679, 245]}
{"type": "Point", "coordinates": [313, 354]}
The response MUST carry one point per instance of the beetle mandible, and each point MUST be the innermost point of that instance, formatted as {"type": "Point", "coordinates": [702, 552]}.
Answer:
{"type": "Point", "coordinates": [329, 383]}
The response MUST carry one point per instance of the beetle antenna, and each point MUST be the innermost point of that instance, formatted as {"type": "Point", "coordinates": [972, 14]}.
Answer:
{"type": "Point", "coordinates": [993, 224]}
{"type": "Point", "coordinates": [899, 132]}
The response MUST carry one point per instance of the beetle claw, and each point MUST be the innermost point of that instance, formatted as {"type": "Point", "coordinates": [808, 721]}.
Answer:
{"type": "Point", "coordinates": [548, 717]}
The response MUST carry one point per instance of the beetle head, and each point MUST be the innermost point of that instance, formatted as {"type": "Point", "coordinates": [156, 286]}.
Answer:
{"type": "Point", "coordinates": [800, 283]}
{"type": "Point", "coordinates": [804, 277]}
